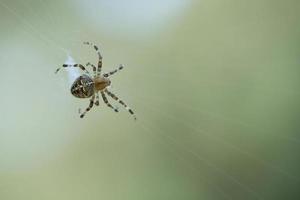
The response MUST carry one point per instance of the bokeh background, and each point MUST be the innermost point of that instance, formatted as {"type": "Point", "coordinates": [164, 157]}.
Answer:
{"type": "Point", "coordinates": [214, 84]}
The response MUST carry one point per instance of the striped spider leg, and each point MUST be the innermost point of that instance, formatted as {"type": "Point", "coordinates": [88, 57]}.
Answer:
{"type": "Point", "coordinates": [97, 99]}
{"type": "Point", "coordinates": [73, 65]}
{"type": "Point", "coordinates": [90, 106]}
{"type": "Point", "coordinates": [107, 103]}
{"type": "Point", "coordinates": [94, 68]}
{"type": "Point", "coordinates": [99, 56]}
{"type": "Point", "coordinates": [114, 71]}
{"type": "Point", "coordinates": [121, 102]}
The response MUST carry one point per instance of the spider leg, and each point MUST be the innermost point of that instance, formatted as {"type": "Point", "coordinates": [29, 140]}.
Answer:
{"type": "Point", "coordinates": [99, 55]}
{"type": "Point", "coordinates": [88, 108]}
{"type": "Point", "coordinates": [114, 71]}
{"type": "Point", "coordinates": [93, 66]}
{"type": "Point", "coordinates": [74, 65]}
{"type": "Point", "coordinates": [107, 103]}
{"type": "Point", "coordinates": [97, 99]}
{"type": "Point", "coordinates": [121, 102]}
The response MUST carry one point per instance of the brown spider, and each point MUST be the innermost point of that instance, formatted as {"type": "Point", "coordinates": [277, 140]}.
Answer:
{"type": "Point", "coordinates": [86, 86]}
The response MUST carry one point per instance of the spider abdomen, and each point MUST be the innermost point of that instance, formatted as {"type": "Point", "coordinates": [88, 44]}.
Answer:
{"type": "Point", "coordinates": [83, 87]}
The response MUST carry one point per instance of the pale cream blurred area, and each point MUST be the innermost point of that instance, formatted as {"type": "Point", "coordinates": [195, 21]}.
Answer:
{"type": "Point", "coordinates": [214, 85]}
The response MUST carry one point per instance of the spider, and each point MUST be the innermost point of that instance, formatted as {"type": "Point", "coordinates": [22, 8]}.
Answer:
{"type": "Point", "coordinates": [86, 86]}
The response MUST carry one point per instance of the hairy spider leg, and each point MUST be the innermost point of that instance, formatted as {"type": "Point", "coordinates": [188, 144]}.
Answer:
{"type": "Point", "coordinates": [121, 102]}
{"type": "Point", "coordinates": [97, 99]}
{"type": "Point", "coordinates": [93, 66]}
{"type": "Point", "coordinates": [88, 108]}
{"type": "Point", "coordinates": [114, 71]}
{"type": "Point", "coordinates": [107, 103]}
{"type": "Point", "coordinates": [74, 65]}
{"type": "Point", "coordinates": [99, 56]}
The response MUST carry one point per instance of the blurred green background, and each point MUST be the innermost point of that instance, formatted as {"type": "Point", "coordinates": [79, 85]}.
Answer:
{"type": "Point", "coordinates": [214, 84]}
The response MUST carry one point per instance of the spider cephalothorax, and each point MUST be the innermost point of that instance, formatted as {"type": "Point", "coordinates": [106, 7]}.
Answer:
{"type": "Point", "coordinates": [86, 86]}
